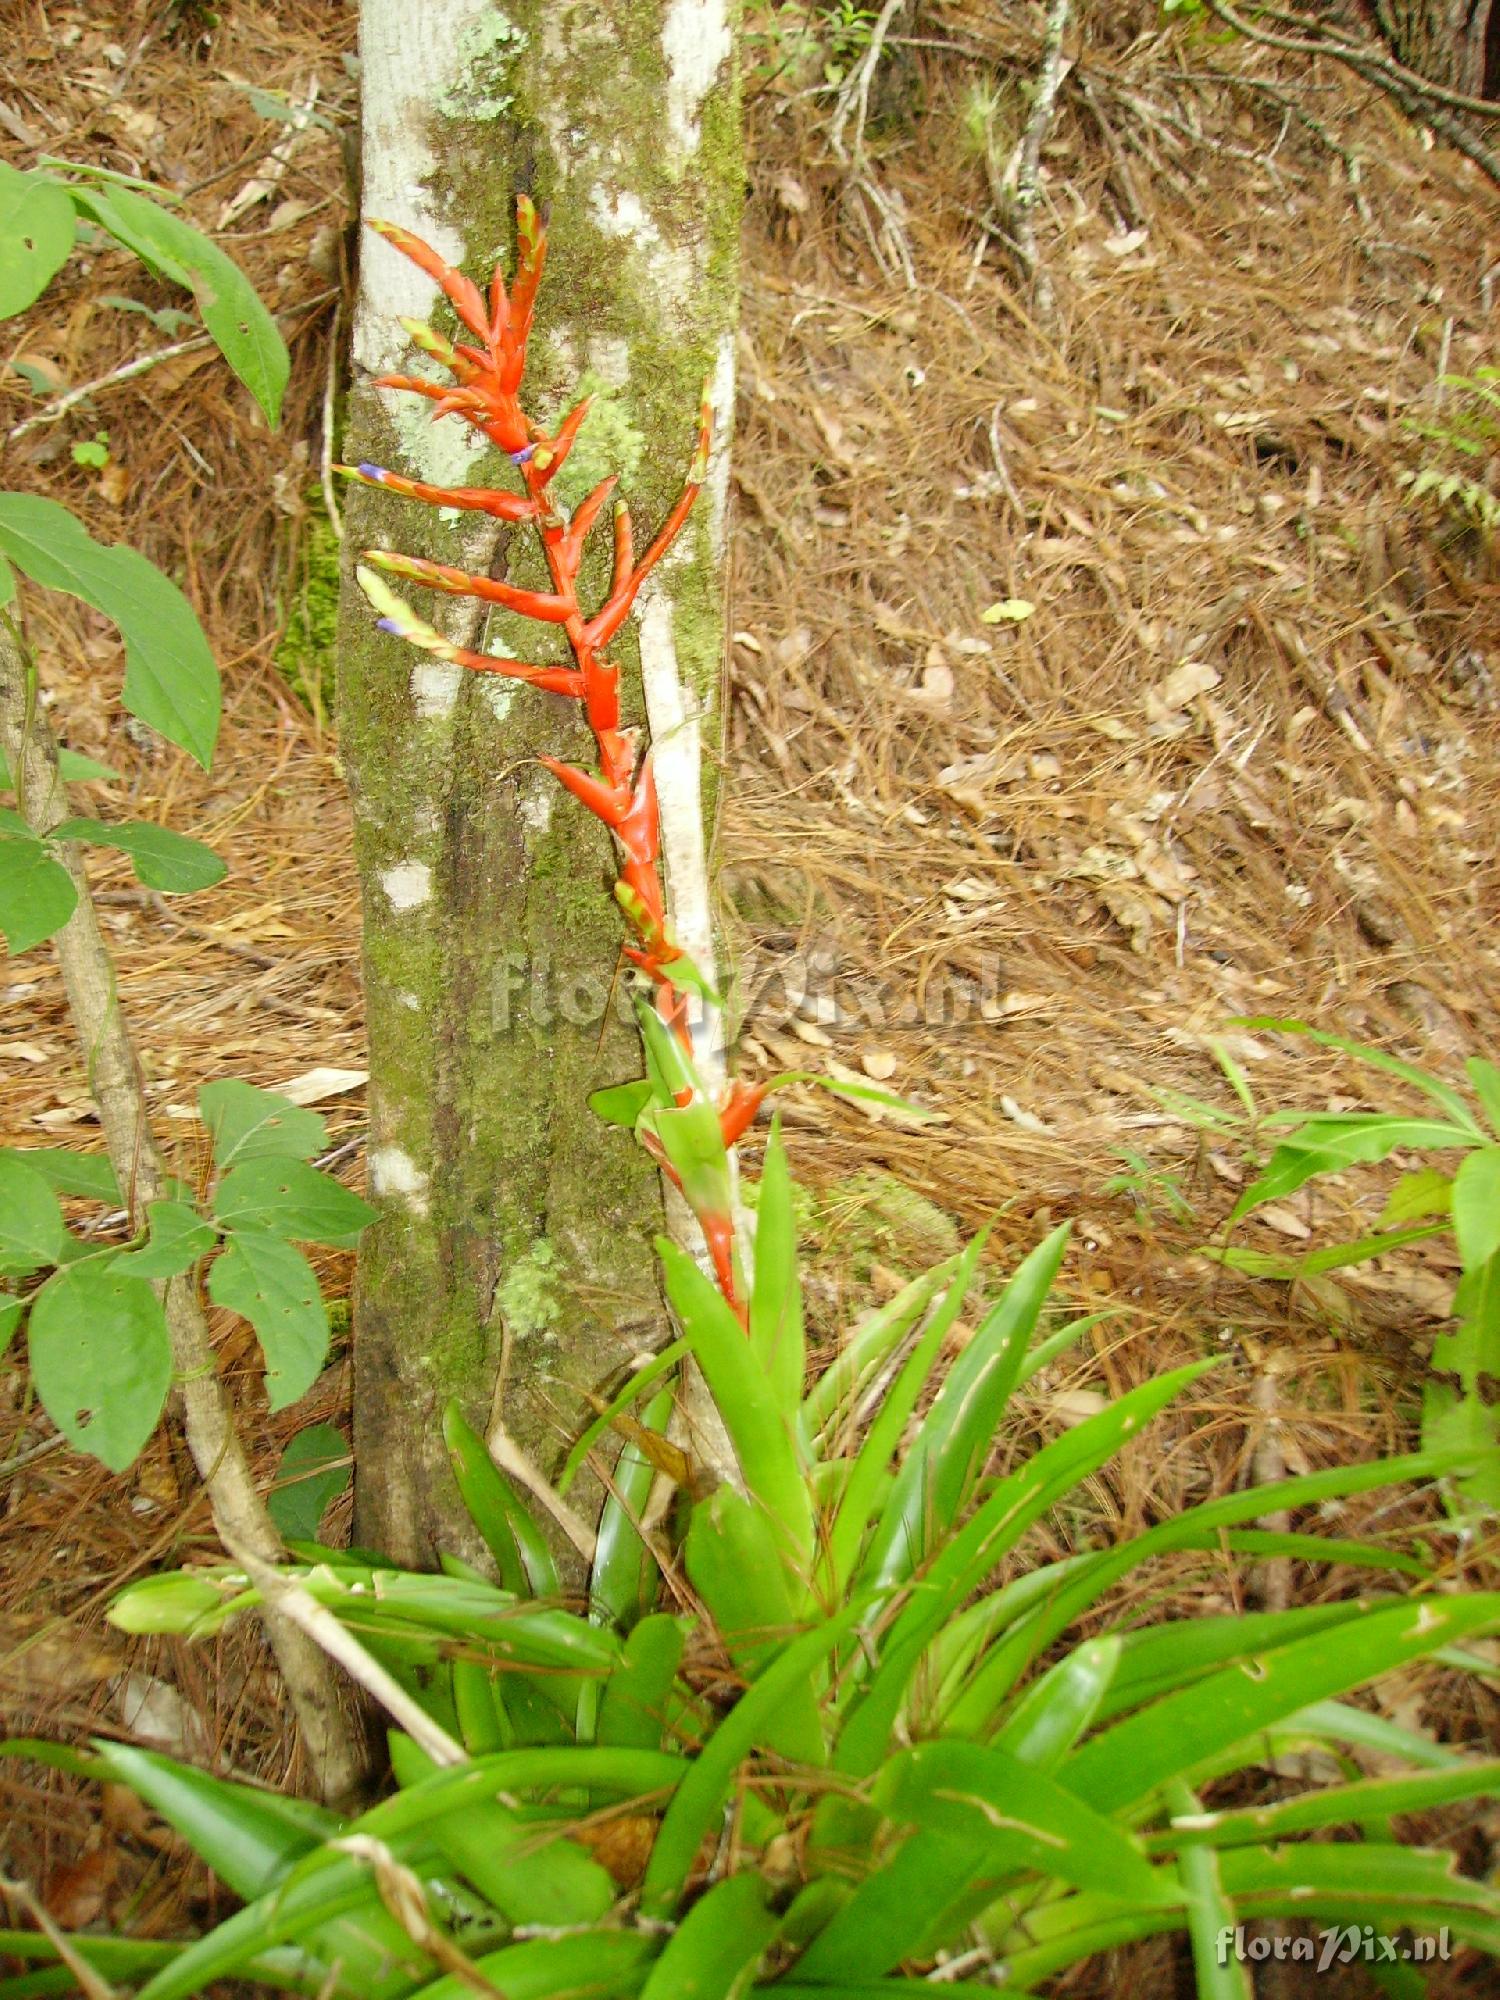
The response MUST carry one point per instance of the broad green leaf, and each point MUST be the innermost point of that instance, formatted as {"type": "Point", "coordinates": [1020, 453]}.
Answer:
{"type": "Point", "coordinates": [1431, 1086]}
{"type": "Point", "coordinates": [1476, 1207]}
{"type": "Point", "coordinates": [1211, 1915]}
{"type": "Point", "coordinates": [37, 895]}
{"type": "Point", "coordinates": [1485, 1078]}
{"type": "Point", "coordinates": [179, 1237]}
{"type": "Point", "coordinates": [31, 1223]}
{"type": "Point", "coordinates": [763, 1434]}
{"type": "Point", "coordinates": [717, 1947]}
{"type": "Point", "coordinates": [1425, 1192]}
{"type": "Point", "coordinates": [622, 1577]}
{"type": "Point", "coordinates": [244, 332]}
{"type": "Point", "coordinates": [1329, 1144]}
{"type": "Point", "coordinates": [101, 1360]}
{"type": "Point", "coordinates": [72, 766]}
{"type": "Point", "coordinates": [958, 1432]}
{"type": "Point", "coordinates": [249, 1124]}
{"type": "Point", "coordinates": [314, 1471]}
{"type": "Point", "coordinates": [11, 1310]}
{"type": "Point", "coordinates": [1173, 1735]}
{"type": "Point", "coordinates": [171, 681]}
{"type": "Point", "coordinates": [163, 860]}
{"type": "Point", "coordinates": [36, 237]}
{"type": "Point", "coordinates": [502, 1517]}
{"type": "Point", "coordinates": [621, 1103]}
{"type": "Point", "coordinates": [286, 1197]}
{"type": "Point", "coordinates": [266, 1281]}
{"type": "Point", "coordinates": [88, 1175]}
{"type": "Point", "coordinates": [776, 1296]}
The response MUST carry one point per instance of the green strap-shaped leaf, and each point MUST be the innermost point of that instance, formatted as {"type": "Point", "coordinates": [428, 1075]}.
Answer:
{"type": "Point", "coordinates": [599, 1965]}
{"type": "Point", "coordinates": [868, 1347]}
{"type": "Point", "coordinates": [1338, 1805]}
{"type": "Point", "coordinates": [163, 860]}
{"type": "Point", "coordinates": [1485, 1077]}
{"type": "Point", "coordinates": [1211, 1916]}
{"type": "Point", "coordinates": [718, 1946]}
{"type": "Point", "coordinates": [31, 1223]}
{"type": "Point", "coordinates": [171, 681]}
{"type": "Point", "coordinates": [101, 1359]}
{"type": "Point", "coordinates": [289, 1198]}
{"type": "Point", "coordinates": [994, 1528]}
{"type": "Point", "coordinates": [763, 1434]}
{"type": "Point", "coordinates": [622, 1580]}
{"type": "Point", "coordinates": [1421, 1079]}
{"type": "Point", "coordinates": [242, 329]}
{"type": "Point", "coordinates": [700, 1796]}
{"type": "Point", "coordinates": [271, 1284]}
{"type": "Point", "coordinates": [1172, 1736]}
{"type": "Point", "coordinates": [329, 1882]}
{"type": "Point", "coordinates": [776, 1296]}
{"type": "Point", "coordinates": [957, 1434]}
{"type": "Point", "coordinates": [636, 1705]}
{"type": "Point", "coordinates": [732, 1561]}
{"type": "Point", "coordinates": [1163, 1657]}
{"type": "Point", "coordinates": [1052, 1716]}
{"type": "Point", "coordinates": [530, 1873]}
{"type": "Point", "coordinates": [980, 1817]}
{"type": "Point", "coordinates": [37, 895]}
{"type": "Point", "coordinates": [36, 237]}
{"type": "Point", "coordinates": [865, 1486]}
{"type": "Point", "coordinates": [1008, 1660]}
{"type": "Point", "coordinates": [249, 1837]}
{"type": "Point", "coordinates": [504, 1520]}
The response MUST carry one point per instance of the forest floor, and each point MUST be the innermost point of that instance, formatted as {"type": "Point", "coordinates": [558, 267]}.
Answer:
{"type": "Point", "coordinates": [1229, 748]}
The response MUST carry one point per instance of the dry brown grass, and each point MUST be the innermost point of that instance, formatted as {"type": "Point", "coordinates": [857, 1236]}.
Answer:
{"type": "Point", "coordinates": [1049, 819]}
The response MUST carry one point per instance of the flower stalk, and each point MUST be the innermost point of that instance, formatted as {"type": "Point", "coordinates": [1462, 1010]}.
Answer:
{"type": "Point", "coordinates": [686, 1131]}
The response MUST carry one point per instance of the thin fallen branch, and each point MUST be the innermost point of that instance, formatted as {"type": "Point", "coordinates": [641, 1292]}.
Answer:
{"type": "Point", "coordinates": [1023, 179]}
{"type": "Point", "coordinates": [130, 371]}
{"type": "Point", "coordinates": [334, 1749]}
{"type": "Point", "coordinates": [862, 191]}
{"type": "Point", "coordinates": [297, 1606]}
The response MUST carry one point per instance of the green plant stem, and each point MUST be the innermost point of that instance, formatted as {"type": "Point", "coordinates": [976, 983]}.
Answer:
{"type": "Point", "coordinates": [333, 1743]}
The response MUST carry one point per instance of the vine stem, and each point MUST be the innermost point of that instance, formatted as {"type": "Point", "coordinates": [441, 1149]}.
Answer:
{"type": "Point", "coordinates": [334, 1746]}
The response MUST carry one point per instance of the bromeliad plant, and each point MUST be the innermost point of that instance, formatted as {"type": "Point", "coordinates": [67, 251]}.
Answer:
{"type": "Point", "coordinates": [840, 1734]}
{"type": "Point", "coordinates": [825, 1729]}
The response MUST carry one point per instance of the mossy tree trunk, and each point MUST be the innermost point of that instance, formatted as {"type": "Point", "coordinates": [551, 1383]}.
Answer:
{"type": "Point", "coordinates": [511, 1265]}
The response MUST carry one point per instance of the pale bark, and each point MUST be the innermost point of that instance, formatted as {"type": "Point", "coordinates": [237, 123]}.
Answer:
{"type": "Point", "coordinates": [512, 1265]}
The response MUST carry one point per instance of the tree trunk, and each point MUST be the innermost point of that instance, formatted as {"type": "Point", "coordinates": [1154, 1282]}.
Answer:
{"type": "Point", "coordinates": [512, 1257]}
{"type": "Point", "coordinates": [1443, 40]}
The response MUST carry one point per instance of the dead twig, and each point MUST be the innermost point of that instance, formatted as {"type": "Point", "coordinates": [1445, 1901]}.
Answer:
{"type": "Point", "coordinates": [1021, 184]}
